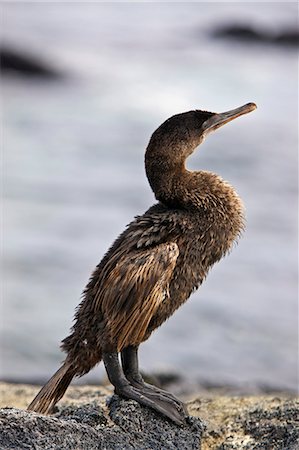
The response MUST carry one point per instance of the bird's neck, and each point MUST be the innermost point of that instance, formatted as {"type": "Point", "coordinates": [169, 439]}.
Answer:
{"type": "Point", "coordinates": [168, 183]}
{"type": "Point", "coordinates": [180, 188]}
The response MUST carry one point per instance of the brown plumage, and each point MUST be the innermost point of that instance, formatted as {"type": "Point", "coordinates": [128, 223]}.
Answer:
{"type": "Point", "coordinates": [153, 266]}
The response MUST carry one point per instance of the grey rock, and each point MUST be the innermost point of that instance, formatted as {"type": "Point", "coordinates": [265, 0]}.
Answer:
{"type": "Point", "coordinates": [249, 34]}
{"type": "Point", "coordinates": [25, 64]}
{"type": "Point", "coordinates": [276, 428]}
{"type": "Point", "coordinates": [85, 420]}
{"type": "Point", "coordinates": [129, 426]}
{"type": "Point", "coordinates": [249, 423]}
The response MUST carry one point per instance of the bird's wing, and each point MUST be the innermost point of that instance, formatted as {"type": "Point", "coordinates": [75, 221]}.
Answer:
{"type": "Point", "coordinates": [132, 290]}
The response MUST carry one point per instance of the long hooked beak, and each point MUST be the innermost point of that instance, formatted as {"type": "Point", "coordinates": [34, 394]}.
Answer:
{"type": "Point", "coordinates": [217, 120]}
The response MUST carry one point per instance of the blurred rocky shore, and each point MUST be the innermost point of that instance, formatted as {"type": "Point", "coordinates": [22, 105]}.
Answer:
{"type": "Point", "coordinates": [16, 61]}
{"type": "Point", "coordinates": [91, 417]}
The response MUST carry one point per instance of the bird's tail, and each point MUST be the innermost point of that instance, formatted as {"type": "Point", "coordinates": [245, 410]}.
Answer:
{"type": "Point", "coordinates": [53, 390]}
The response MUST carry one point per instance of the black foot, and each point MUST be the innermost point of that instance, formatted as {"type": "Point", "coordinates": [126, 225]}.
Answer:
{"type": "Point", "coordinates": [129, 357]}
{"type": "Point", "coordinates": [144, 395]}
{"type": "Point", "coordinates": [155, 401]}
{"type": "Point", "coordinates": [154, 391]}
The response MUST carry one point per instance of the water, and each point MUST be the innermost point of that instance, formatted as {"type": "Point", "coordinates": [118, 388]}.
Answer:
{"type": "Point", "coordinates": [74, 177]}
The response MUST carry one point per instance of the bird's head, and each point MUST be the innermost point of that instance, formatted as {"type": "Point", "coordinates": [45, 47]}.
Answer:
{"type": "Point", "coordinates": [178, 136]}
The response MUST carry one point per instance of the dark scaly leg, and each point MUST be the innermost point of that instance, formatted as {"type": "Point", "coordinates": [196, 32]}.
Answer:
{"type": "Point", "coordinates": [125, 389]}
{"type": "Point", "coordinates": [129, 358]}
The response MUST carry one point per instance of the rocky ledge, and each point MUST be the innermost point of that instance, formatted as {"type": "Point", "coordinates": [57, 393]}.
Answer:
{"type": "Point", "coordinates": [92, 418]}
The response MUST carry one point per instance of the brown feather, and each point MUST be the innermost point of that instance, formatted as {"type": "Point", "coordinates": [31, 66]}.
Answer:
{"type": "Point", "coordinates": [53, 391]}
{"type": "Point", "coordinates": [131, 292]}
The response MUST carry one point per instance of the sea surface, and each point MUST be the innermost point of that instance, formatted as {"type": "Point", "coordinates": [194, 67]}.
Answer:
{"type": "Point", "coordinates": [73, 177]}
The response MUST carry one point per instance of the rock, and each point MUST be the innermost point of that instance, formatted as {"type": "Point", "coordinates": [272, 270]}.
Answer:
{"type": "Point", "coordinates": [249, 423]}
{"type": "Point", "coordinates": [249, 34]}
{"type": "Point", "coordinates": [120, 425]}
{"type": "Point", "coordinates": [85, 420]}
{"type": "Point", "coordinates": [87, 427]}
{"type": "Point", "coordinates": [25, 64]}
{"type": "Point", "coordinates": [240, 32]}
{"type": "Point", "coordinates": [288, 38]}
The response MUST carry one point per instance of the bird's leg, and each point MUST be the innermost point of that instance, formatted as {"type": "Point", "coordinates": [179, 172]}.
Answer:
{"type": "Point", "coordinates": [129, 358]}
{"type": "Point", "coordinates": [125, 389]}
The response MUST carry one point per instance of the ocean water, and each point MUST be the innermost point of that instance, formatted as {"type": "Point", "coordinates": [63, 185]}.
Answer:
{"type": "Point", "coordinates": [73, 177]}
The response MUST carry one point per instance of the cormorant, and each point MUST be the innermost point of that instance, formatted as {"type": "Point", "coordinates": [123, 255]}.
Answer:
{"type": "Point", "coordinates": [153, 266]}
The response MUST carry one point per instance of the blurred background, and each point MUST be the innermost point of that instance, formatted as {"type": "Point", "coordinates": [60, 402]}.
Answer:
{"type": "Point", "coordinates": [83, 86]}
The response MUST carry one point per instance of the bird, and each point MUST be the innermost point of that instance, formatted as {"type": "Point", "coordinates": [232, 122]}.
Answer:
{"type": "Point", "coordinates": [153, 267]}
